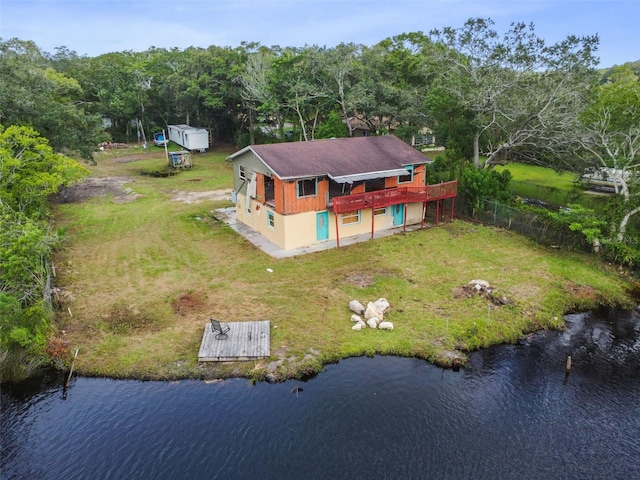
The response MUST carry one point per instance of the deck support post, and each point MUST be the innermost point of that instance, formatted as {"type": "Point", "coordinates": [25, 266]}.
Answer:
{"type": "Point", "coordinates": [404, 227]}
{"type": "Point", "coordinates": [373, 219]}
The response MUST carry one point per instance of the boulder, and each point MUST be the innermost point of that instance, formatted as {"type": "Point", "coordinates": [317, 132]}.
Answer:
{"type": "Point", "coordinates": [372, 311]}
{"type": "Point", "coordinates": [385, 326]}
{"type": "Point", "coordinates": [357, 326]}
{"type": "Point", "coordinates": [356, 307]}
{"type": "Point", "coordinates": [355, 318]}
{"type": "Point", "coordinates": [372, 322]}
{"type": "Point", "coordinates": [382, 305]}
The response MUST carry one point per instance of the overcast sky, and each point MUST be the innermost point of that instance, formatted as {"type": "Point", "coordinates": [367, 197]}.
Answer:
{"type": "Point", "coordinates": [94, 27]}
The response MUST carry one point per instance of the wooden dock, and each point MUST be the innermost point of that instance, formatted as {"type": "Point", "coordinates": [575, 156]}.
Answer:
{"type": "Point", "coordinates": [246, 341]}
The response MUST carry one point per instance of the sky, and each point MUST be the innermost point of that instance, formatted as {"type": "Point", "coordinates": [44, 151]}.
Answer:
{"type": "Point", "coordinates": [95, 27]}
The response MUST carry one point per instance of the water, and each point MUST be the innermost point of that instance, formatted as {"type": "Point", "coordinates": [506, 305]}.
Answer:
{"type": "Point", "coordinates": [510, 414]}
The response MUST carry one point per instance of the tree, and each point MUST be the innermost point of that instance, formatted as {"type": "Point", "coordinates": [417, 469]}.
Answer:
{"type": "Point", "coordinates": [30, 171]}
{"type": "Point", "coordinates": [611, 141]}
{"type": "Point", "coordinates": [523, 95]}
{"type": "Point", "coordinates": [333, 127]}
{"type": "Point", "coordinates": [340, 66]}
{"type": "Point", "coordinates": [36, 95]}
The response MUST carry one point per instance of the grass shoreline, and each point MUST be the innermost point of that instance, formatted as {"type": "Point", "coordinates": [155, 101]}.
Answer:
{"type": "Point", "coordinates": [140, 278]}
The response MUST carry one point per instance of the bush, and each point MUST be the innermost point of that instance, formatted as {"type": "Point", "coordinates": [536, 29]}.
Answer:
{"type": "Point", "coordinates": [478, 185]}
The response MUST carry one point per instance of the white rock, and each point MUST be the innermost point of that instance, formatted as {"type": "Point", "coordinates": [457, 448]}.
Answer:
{"type": "Point", "coordinates": [356, 307]}
{"type": "Point", "coordinates": [357, 326]}
{"type": "Point", "coordinates": [481, 283]}
{"type": "Point", "coordinates": [355, 318]}
{"type": "Point", "coordinates": [382, 305]}
{"type": "Point", "coordinates": [372, 322]}
{"type": "Point", "coordinates": [373, 312]}
{"type": "Point", "coordinates": [364, 325]}
{"type": "Point", "coordinates": [385, 326]}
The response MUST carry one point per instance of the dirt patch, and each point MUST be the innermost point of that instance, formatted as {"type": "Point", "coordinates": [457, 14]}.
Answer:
{"type": "Point", "coordinates": [187, 303]}
{"type": "Point", "coordinates": [95, 187]}
{"type": "Point", "coordinates": [141, 156]}
{"type": "Point", "coordinates": [362, 280]}
{"type": "Point", "coordinates": [197, 197]}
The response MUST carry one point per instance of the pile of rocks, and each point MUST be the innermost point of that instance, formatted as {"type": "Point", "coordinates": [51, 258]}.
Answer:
{"type": "Point", "coordinates": [373, 315]}
{"type": "Point", "coordinates": [481, 288]}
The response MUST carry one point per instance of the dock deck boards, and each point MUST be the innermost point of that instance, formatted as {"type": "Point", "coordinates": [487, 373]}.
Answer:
{"type": "Point", "coordinates": [246, 341]}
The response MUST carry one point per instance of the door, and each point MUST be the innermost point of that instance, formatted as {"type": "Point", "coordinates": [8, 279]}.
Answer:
{"type": "Point", "coordinates": [398, 214]}
{"type": "Point", "coordinates": [322, 226]}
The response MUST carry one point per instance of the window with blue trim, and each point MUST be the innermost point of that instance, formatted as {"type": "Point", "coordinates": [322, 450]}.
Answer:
{"type": "Point", "coordinates": [408, 178]}
{"type": "Point", "coordinates": [350, 218]}
{"type": "Point", "coordinates": [271, 219]}
{"type": "Point", "coordinates": [307, 188]}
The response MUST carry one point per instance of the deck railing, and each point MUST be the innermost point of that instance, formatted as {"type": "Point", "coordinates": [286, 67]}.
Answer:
{"type": "Point", "coordinates": [394, 196]}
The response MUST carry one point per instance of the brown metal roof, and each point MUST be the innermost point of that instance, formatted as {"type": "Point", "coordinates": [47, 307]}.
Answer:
{"type": "Point", "coordinates": [337, 157]}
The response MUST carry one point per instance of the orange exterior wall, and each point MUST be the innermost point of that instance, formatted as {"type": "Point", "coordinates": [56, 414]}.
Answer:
{"type": "Point", "coordinates": [294, 204]}
{"type": "Point", "coordinates": [286, 193]}
{"type": "Point", "coordinates": [419, 178]}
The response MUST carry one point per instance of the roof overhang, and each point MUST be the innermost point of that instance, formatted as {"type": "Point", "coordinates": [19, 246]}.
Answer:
{"type": "Point", "coordinates": [358, 177]}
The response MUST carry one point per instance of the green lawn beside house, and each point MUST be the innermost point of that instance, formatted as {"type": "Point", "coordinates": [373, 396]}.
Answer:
{"type": "Point", "coordinates": [139, 279]}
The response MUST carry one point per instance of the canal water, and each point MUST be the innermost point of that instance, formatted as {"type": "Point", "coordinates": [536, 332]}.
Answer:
{"type": "Point", "coordinates": [511, 414]}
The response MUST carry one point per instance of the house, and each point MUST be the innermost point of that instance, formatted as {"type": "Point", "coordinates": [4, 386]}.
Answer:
{"type": "Point", "coordinates": [298, 194]}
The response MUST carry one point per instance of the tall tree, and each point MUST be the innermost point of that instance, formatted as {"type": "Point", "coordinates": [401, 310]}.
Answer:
{"type": "Point", "coordinates": [612, 141]}
{"type": "Point", "coordinates": [34, 94]}
{"type": "Point", "coordinates": [524, 95]}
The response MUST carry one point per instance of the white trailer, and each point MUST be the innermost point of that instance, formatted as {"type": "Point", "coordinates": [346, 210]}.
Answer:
{"type": "Point", "coordinates": [189, 138]}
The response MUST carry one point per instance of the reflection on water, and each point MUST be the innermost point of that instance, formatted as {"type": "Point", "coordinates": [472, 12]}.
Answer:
{"type": "Point", "coordinates": [508, 415]}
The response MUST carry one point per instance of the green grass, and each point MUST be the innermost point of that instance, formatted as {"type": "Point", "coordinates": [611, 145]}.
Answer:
{"type": "Point", "coordinates": [128, 267]}
{"type": "Point", "coordinates": [541, 183]}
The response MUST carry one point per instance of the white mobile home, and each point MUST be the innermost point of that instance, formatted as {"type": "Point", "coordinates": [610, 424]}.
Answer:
{"type": "Point", "coordinates": [189, 138]}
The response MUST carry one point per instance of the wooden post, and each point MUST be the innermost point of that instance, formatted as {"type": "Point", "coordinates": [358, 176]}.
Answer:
{"type": "Point", "coordinates": [567, 367]}
{"type": "Point", "coordinates": [373, 220]}
{"type": "Point", "coordinates": [404, 226]}
{"type": "Point", "coordinates": [166, 149]}
{"type": "Point", "coordinates": [71, 369]}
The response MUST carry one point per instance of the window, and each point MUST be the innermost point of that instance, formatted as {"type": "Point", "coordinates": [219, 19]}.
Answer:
{"type": "Point", "coordinates": [307, 188]}
{"type": "Point", "coordinates": [242, 173]}
{"type": "Point", "coordinates": [269, 189]}
{"type": "Point", "coordinates": [351, 218]}
{"type": "Point", "coordinates": [271, 219]}
{"type": "Point", "coordinates": [408, 178]}
{"type": "Point", "coordinates": [378, 212]}
{"type": "Point", "coordinates": [375, 185]}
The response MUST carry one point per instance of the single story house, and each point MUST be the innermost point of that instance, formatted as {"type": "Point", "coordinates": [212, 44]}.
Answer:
{"type": "Point", "coordinates": [301, 193]}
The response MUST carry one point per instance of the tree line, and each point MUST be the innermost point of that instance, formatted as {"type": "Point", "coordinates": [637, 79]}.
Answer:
{"type": "Point", "coordinates": [488, 97]}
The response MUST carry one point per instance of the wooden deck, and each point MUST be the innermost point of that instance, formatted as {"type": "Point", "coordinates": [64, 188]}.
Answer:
{"type": "Point", "coordinates": [246, 341]}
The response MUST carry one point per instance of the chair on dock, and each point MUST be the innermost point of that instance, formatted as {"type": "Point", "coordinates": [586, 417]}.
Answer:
{"type": "Point", "coordinates": [221, 328]}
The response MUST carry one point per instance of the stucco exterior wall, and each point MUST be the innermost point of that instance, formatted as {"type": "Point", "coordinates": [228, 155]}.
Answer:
{"type": "Point", "coordinates": [300, 230]}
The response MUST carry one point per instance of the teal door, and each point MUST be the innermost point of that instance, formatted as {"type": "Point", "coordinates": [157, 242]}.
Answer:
{"type": "Point", "coordinates": [398, 214]}
{"type": "Point", "coordinates": [322, 226]}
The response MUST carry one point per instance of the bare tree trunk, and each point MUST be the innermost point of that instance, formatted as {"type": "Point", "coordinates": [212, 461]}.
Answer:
{"type": "Point", "coordinates": [476, 150]}
{"type": "Point", "coordinates": [622, 228]}
{"type": "Point", "coordinates": [252, 135]}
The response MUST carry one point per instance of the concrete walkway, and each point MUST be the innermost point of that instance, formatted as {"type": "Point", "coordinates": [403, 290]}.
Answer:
{"type": "Point", "coordinates": [228, 216]}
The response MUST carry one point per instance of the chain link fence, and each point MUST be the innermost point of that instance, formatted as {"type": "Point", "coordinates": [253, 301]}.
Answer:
{"type": "Point", "coordinates": [526, 223]}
